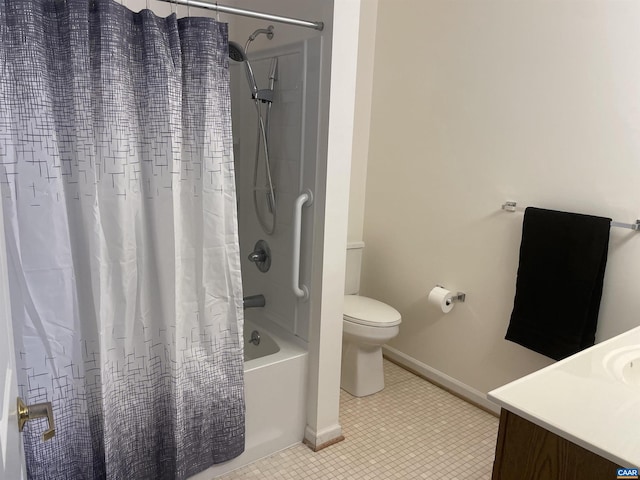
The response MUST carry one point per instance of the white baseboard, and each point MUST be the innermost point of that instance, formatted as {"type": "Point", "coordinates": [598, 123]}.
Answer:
{"type": "Point", "coordinates": [449, 383]}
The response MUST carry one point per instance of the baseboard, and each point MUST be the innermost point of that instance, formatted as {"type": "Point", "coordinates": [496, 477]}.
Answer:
{"type": "Point", "coordinates": [443, 380]}
{"type": "Point", "coordinates": [317, 448]}
{"type": "Point", "coordinates": [318, 440]}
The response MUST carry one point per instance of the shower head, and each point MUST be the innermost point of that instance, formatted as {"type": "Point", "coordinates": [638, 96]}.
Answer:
{"type": "Point", "coordinates": [239, 54]}
{"type": "Point", "coordinates": [236, 52]}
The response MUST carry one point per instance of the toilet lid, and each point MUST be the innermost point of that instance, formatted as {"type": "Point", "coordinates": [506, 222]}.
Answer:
{"type": "Point", "coordinates": [367, 311]}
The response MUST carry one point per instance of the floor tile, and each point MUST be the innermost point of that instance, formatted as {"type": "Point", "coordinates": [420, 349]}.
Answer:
{"type": "Point", "coordinates": [411, 429]}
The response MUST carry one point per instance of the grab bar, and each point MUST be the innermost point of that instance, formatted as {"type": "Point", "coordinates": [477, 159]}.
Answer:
{"type": "Point", "coordinates": [304, 199]}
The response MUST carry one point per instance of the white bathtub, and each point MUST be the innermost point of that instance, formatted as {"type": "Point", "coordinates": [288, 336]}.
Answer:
{"type": "Point", "coordinates": [275, 376]}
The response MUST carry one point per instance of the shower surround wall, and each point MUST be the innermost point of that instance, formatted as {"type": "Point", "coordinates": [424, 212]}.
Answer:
{"type": "Point", "coordinates": [292, 154]}
{"type": "Point", "coordinates": [528, 101]}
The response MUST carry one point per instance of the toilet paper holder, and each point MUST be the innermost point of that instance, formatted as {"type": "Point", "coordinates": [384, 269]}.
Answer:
{"type": "Point", "coordinates": [457, 298]}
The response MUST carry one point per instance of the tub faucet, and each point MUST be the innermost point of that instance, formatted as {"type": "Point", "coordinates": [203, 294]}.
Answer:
{"type": "Point", "coordinates": [253, 301]}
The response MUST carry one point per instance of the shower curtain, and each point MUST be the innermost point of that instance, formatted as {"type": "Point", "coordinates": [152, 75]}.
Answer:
{"type": "Point", "coordinates": [117, 181]}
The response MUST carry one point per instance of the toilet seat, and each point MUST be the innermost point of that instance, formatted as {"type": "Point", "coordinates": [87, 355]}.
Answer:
{"type": "Point", "coordinates": [370, 312]}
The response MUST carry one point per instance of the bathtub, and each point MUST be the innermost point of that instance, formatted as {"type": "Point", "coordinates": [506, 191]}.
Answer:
{"type": "Point", "coordinates": [275, 376]}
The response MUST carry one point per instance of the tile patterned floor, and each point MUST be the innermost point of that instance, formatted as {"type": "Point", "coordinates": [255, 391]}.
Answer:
{"type": "Point", "coordinates": [410, 430]}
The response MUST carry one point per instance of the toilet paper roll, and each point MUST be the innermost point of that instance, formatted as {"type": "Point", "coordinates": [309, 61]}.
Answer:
{"type": "Point", "coordinates": [441, 298]}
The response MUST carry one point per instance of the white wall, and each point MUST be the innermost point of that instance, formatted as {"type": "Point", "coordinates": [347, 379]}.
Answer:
{"type": "Point", "coordinates": [475, 103]}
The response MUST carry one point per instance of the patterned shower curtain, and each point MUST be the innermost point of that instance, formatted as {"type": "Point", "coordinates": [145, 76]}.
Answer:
{"type": "Point", "coordinates": [117, 180]}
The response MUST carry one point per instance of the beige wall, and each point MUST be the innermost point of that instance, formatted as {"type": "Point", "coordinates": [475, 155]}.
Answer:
{"type": "Point", "coordinates": [364, 86]}
{"type": "Point", "coordinates": [475, 103]}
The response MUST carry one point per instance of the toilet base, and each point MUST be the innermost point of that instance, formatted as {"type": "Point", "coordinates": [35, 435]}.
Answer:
{"type": "Point", "coordinates": [362, 371]}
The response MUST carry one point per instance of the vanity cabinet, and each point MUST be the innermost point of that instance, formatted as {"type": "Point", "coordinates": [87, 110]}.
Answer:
{"type": "Point", "coordinates": [526, 451]}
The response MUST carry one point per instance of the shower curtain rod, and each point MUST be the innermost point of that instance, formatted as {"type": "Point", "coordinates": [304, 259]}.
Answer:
{"type": "Point", "coordinates": [248, 13]}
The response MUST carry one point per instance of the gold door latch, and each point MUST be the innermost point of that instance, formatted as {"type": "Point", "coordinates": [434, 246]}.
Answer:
{"type": "Point", "coordinates": [37, 410]}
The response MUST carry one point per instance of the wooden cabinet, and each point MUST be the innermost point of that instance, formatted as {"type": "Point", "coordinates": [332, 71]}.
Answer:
{"type": "Point", "coordinates": [526, 451]}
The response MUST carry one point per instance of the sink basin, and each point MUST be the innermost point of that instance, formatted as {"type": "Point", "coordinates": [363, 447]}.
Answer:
{"type": "Point", "coordinates": [624, 364]}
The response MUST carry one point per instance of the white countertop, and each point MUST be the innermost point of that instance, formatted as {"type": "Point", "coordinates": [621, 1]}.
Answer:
{"type": "Point", "coordinates": [585, 399]}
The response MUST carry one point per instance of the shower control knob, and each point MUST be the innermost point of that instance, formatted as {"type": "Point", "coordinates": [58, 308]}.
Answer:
{"type": "Point", "coordinates": [257, 256]}
{"type": "Point", "coordinates": [261, 256]}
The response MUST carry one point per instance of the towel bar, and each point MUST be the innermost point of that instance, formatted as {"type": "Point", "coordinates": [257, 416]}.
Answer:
{"type": "Point", "coordinates": [511, 207]}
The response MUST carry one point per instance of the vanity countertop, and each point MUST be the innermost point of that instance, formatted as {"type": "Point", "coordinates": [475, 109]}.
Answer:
{"type": "Point", "coordinates": [591, 398]}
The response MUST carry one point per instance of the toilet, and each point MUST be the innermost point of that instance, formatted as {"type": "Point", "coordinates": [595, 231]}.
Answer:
{"type": "Point", "coordinates": [367, 324]}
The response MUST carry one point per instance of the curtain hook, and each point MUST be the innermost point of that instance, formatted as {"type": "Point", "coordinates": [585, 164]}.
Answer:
{"type": "Point", "coordinates": [217, 13]}
{"type": "Point", "coordinates": [147, 4]}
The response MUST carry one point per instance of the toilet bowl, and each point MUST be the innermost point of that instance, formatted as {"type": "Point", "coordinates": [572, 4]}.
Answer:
{"type": "Point", "coordinates": [367, 324]}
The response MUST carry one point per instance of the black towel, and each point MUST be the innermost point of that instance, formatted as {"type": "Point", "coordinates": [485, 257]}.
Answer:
{"type": "Point", "coordinates": [559, 286]}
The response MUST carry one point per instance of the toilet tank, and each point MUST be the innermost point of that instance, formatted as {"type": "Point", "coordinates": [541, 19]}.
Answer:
{"type": "Point", "coordinates": [354, 262]}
